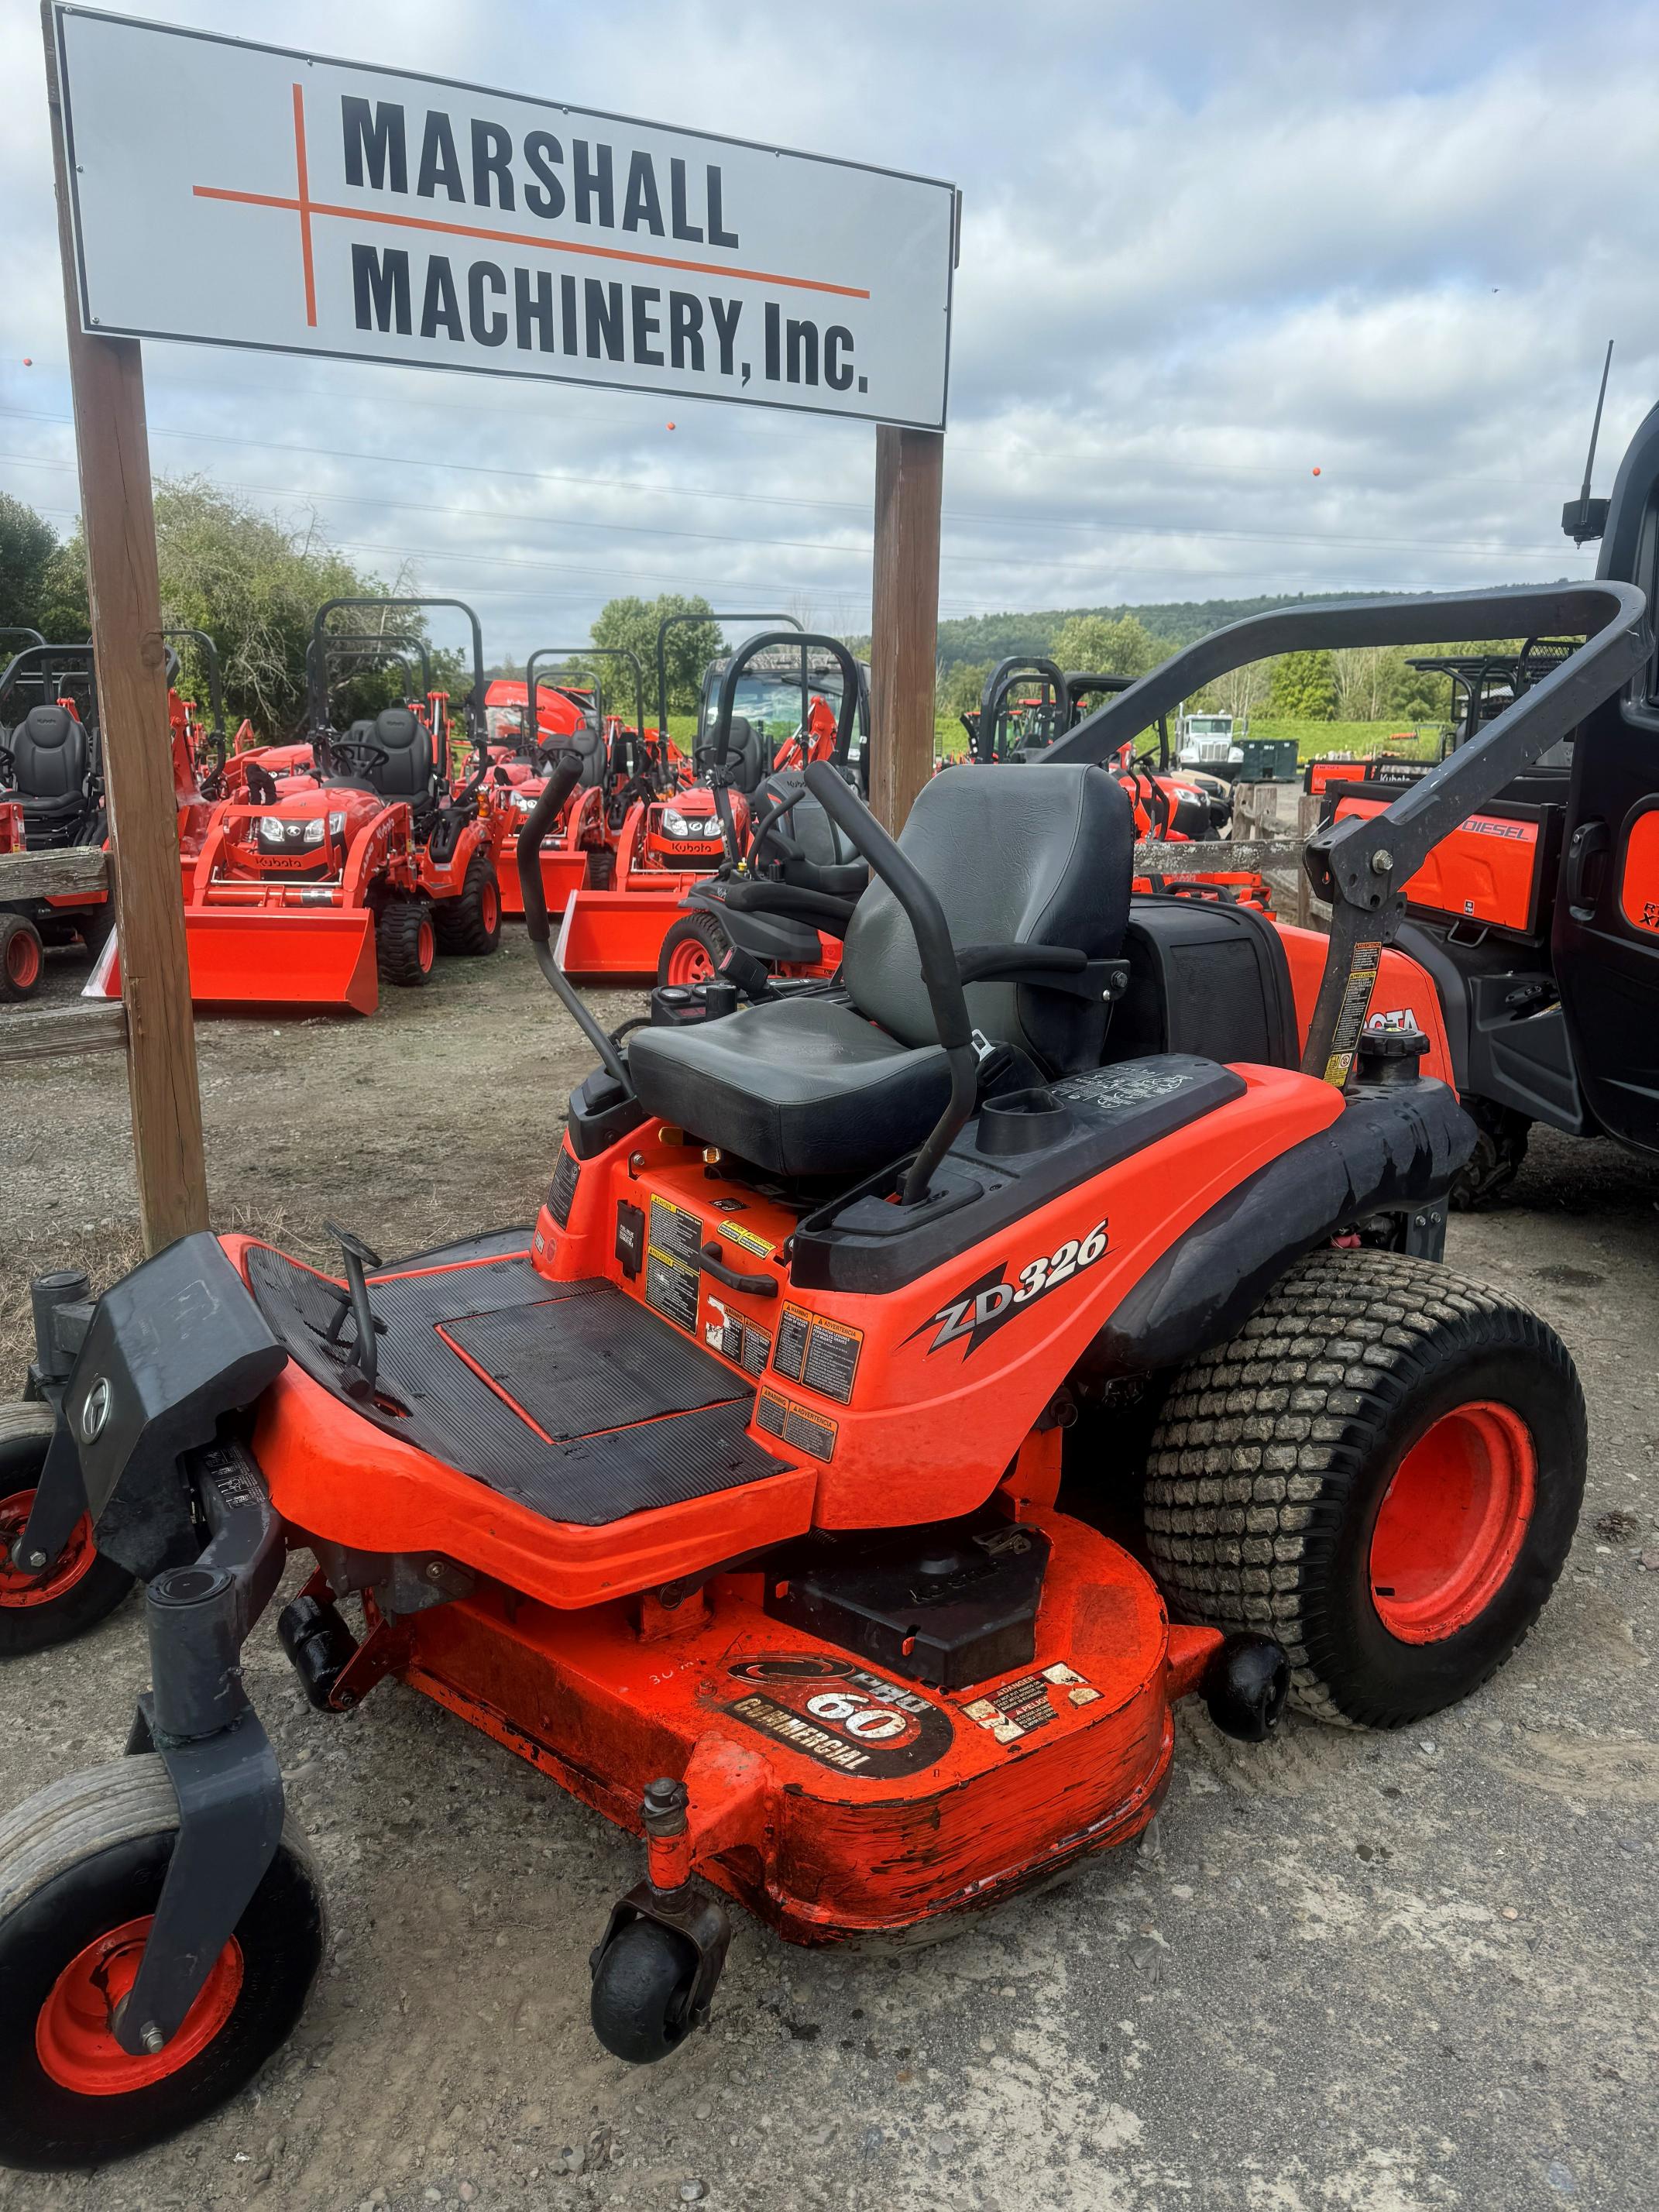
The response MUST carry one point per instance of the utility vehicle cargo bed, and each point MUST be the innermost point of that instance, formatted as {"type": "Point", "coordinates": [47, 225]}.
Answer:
{"type": "Point", "coordinates": [569, 1397]}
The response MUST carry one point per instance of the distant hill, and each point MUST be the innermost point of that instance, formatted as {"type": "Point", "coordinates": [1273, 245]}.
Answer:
{"type": "Point", "coordinates": [976, 638]}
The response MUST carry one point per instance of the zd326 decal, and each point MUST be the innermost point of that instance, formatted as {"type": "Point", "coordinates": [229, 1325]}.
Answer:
{"type": "Point", "coordinates": [986, 1305]}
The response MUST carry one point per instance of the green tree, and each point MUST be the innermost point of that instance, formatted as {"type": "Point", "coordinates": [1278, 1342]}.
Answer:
{"type": "Point", "coordinates": [27, 542]}
{"type": "Point", "coordinates": [1302, 688]}
{"type": "Point", "coordinates": [228, 568]}
{"type": "Point", "coordinates": [1099, 646]}
{"type": "Point", "coordinates": [961, 690]}
{"type": "Point", "coordinates": [633, 624]}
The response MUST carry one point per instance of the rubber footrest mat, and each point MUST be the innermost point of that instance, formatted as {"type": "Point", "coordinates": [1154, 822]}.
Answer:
{"type": "Point", "coordinates": [690, 1441]}
{"type": "Point", "coordinates": [591, 1364]}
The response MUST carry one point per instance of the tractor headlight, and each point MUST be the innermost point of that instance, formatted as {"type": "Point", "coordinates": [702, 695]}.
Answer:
{"type": "Point", "coordinates": [523, 801]}
{"type": "Point", "coordinates": [314, 831]}
{"type": "Point", "coordinates": [674, 823]}
{"type": "Point", "coordinates": [273, 832]}
{"type": "Point", "coordinates": [337, 824]}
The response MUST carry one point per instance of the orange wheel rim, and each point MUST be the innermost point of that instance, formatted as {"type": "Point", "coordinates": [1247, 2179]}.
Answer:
{"type": "Point", "coordinates": [690, 962]}
{"type": "Point", "coordinates": [426, 947]}
{"type": "Point", "coordinates": [74, 1560]}
{"type": "Point", "coordinates": [490, 906]}
{"type": "Point", "coordinates": [75, 2041]}
{"type": "Point", "coordinates": [1453, 1520]}
{"type": "Point", "coordinates": [23, 960]}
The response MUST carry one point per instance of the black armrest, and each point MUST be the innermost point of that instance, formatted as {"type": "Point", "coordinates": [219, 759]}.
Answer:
{"type": "Point", "coordinates": [1044, 966]}
{"type": "Point", "coordinates": [841, 879]}
{"type": "Point", "coordinates": [793, 901]}
{"type": "Point", "coordinates": [987, 963]}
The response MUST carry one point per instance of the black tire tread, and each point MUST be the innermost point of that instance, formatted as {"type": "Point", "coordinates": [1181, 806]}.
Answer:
{"type": "Point", "coordinates": [15, 924]}
{"type": "Point", "coordinates": [1259, 1439]}
{"type": "Point", "coordinates": [459, 922]}
{"type": "Point", "coordinates": [397, 930]}
{"type": "Point", "coordinates": [705, 928]}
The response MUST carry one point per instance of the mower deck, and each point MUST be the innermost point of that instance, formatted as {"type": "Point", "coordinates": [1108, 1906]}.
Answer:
{"type": "Point", "coordinates": [571, 1398]}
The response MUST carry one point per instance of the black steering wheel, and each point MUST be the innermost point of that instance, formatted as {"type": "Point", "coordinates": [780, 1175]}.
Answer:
{"type": "Point", "coordinates": [353, 750]}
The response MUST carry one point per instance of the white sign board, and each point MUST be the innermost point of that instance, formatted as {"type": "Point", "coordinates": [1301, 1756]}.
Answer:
{"type": "Point", "coordinates": [246, 195]}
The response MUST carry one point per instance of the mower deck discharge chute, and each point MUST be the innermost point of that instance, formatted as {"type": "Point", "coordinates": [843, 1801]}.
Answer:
{"type": "Point", "coordinates": [756, 1494]}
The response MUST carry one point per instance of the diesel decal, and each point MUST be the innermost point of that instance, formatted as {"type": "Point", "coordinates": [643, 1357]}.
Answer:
{"type": "Point", "coordinates": [984, 1306]}
{"type": "Point", "coordinates": [840, 1715]}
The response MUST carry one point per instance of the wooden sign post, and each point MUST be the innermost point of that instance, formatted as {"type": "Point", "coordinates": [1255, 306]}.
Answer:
{"type": "Point", "coordinates": [904, 618]}
{"type": "Point", "coordinates": [106, 380]}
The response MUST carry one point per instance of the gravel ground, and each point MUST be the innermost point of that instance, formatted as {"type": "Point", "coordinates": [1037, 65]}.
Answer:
{"type": "Point", "coordinates": [1343, 1974]}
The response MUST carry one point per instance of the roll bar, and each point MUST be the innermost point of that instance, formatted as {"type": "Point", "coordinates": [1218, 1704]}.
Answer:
{"type": "Point", "coordinates": [725, 699]}
{"type": "Point", "coordinates": [579, 652]}
{"type": "Point", "coordinates": [209, 652]}
{"type": "Point", "coordinates": [674, 621]}
{"type": "Point", "coordinates": [478, 727]}
{"type": "Point", "coordinates": [940, 971]}
{"type": "Point", "coordinates": [385, 646]}
{"type": "Point", "coordinates": [1001, 680]}
{"type": "Point", "coordinates": [528, 852]}
{"type": "Point", "coordinates": [1361, 866]}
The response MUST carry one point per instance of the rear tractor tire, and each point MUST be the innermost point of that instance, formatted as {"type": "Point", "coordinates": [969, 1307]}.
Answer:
{"type": "Point", "coordinates": [38, 1611]}
{"type": "Point", "coordinates": [405, 942]}
{"type": "Point", "coordinates": [1383, 1470]}
{"type": "Point", "coordinates": [470, 923]}
{"type": "Point", "coordinates": [693, 949]}
{"type": "Point", "coordinates": [22, 959]}
{"type": "Point", "coordinates": [82, 1865]}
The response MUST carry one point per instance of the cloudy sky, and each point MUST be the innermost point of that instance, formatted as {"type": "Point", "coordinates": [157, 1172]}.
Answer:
{"type": "Point", "coordinates": [1207, 251]}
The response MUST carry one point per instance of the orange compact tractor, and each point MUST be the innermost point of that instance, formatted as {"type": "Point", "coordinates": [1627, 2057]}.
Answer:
{"type": "Point", "coordinates": [621, 767]}
{"type": "Point", "coordinates": [52, 796]}
{"type": "Point", "coordinates": [755, 1492]}
{"type": "Point", "coordinates": [354, 875]}
{"type": "Point", "coordinates": [1537, 915]}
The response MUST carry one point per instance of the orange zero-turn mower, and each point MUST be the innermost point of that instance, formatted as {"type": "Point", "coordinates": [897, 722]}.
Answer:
{"type": "Point", "coordinates": [782, 893]}
{"type": "Point", "coordinates": [671, 834]}
{"type": "Point", "coordinates": [753, 1494]}
{"type": "Point", "coordinates": [315, 895]}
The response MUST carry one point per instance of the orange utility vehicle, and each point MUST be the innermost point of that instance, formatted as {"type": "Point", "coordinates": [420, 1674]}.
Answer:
{"type": "Point", "coordinates": [745, 1493]}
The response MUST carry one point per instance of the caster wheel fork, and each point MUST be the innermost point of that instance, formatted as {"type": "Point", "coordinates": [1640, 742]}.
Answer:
{"type": "Point", "coordinates": [659, 1963]}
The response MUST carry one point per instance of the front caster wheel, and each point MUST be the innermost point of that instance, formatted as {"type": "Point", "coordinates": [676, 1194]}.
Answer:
{"type": "Point", "coordinates": [39, 1610]}
{"type": "Point", "coordinates": [644, 1982]}
{"type": "Point", "coordinates": [82, 1865]}
{"type": "Point", "coordinates": [1245, 1687]}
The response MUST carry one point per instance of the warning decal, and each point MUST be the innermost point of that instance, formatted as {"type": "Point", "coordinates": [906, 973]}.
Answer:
{"type": "Point", "coordinates": [809, 1432]}
{"type": "Point", "coordinates": [1355, 997]}
{"type": "Point", "coordinates": [840, 1715]}
{"type": "Point", "coordinates": [734, 1337]}
{"type": "Point", "coordinates": [1019, 1708]}
{"type": "Point", "coordinates": [822, 1354]}
{"type": "Point", "coordinates": [675, 1231]}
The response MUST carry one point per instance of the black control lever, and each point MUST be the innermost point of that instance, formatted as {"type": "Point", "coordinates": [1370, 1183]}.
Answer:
{"type": "Point", "coordinates": [359, 1258]}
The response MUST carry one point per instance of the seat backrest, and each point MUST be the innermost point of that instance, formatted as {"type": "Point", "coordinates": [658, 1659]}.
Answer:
{"type": "Point", "coordinates": [748, 755]}
{"type": "Point", "coordinates": [806, 824]}
{"type": "Point", "coordinates": [49, 747]}
{"type": "Point", "coordinates": [587, 742]}
{"type": "Point", "coordinates": [406, 772]}
{"type": "Point", "coordinates": [1033, 855]}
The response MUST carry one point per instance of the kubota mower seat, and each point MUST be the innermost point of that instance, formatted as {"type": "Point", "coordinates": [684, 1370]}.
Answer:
{"type": "Point", "coordinates": [50, 757]}
{"type": "Point", "coordinates": [818, 1087]}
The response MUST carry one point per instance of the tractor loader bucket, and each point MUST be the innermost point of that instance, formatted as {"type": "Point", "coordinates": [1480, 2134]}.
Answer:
{"type": "Point", "coordinates": [562, 873]}
{"type": "Point", "coordinates": [257, 957]}
{"type": "Point", "coordinates": [617, 932]}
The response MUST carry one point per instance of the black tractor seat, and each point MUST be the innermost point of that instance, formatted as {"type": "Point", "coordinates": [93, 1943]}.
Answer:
{"type": "Point", "coordinates": [748, 757]}
{"type": "Point", "coordinates": [408, 772]}
{"type": "Point", "coordinates": [810, 852]}
{"type": "Point", "coordinates": [52, 758]}
{"type": "Point", "coordinates": [839, 1085]}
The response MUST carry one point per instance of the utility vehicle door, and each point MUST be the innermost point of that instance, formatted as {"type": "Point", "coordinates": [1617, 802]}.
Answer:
{"type": "Point", "coordinates": [1605, 935]}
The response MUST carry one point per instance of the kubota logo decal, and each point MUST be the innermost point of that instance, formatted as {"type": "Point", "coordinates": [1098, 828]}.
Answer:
{"type": "Point", "coordinates": [986, 1305]}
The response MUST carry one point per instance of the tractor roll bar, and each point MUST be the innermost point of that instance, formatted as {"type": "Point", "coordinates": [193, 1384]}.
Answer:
{"type": "Point", "coordinates": [528, 853]}
{"type": "Point", "coordinates": [1361, 866]}
{"type": "Point", "coordinates": [385, 646]}
{"type": "Point", "coordinates": [478, 727]}
{"type": "Point", "coordinates": [850, 709]}
{"type": "Point", "coordinates": [209, 652]}
{"type": "Point", "coordinates": [999, 683]}
{"type": "Point", "coordinates": [674, 621]}
{"type": "Point", "coordinates": [580, 652]}
{"type": "Point", "coordinates": [533, 685]}
{"type": "Point", "coordinates": [940, 971]}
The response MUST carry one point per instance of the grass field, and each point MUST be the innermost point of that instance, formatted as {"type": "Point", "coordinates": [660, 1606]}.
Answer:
{"type": "Point", "coordinates": [1311, 737]}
